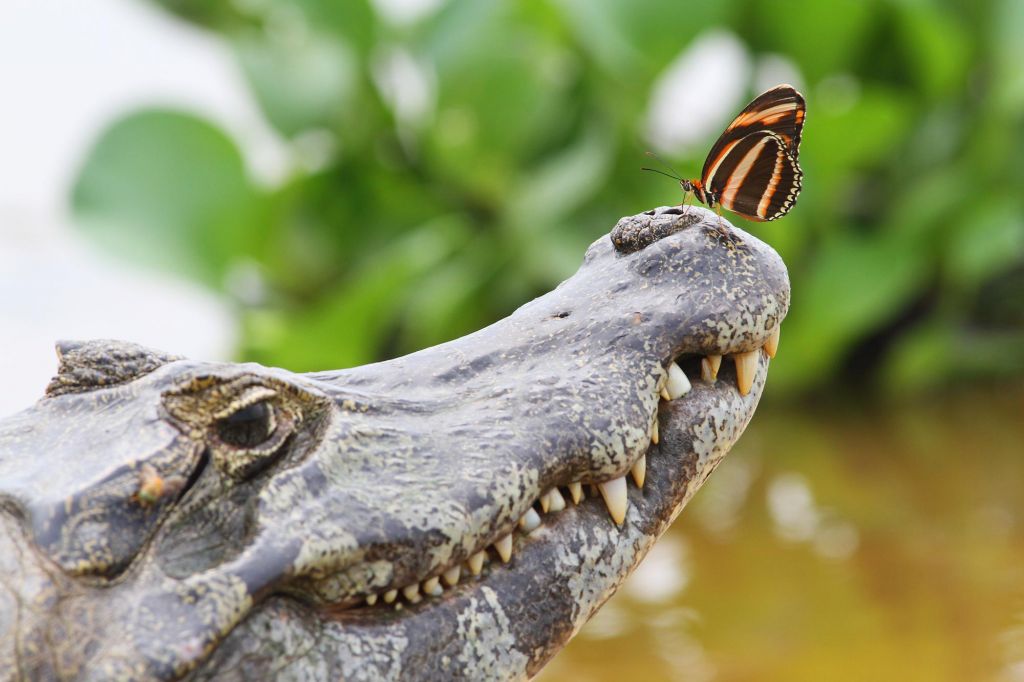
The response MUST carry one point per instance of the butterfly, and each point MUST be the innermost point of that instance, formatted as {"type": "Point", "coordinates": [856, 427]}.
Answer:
{"type": "Point", "coordinates": [752, 169]}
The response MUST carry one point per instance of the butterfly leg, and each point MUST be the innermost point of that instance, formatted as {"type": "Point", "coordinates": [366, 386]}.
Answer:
{"type": "Point", "coordinates": [684, 207]}
{"type": "Point", "coordinates": [727, 236]}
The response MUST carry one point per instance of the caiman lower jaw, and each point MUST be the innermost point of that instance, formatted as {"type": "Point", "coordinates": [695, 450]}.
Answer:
{"type": "Point", "coordinates": [704, 406]}
{"type": "Point", "coordinates": [512, 608]}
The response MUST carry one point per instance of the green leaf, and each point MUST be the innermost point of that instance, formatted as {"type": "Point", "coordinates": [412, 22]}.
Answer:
{"type": "Point", "coordinates": [451, 300]}
{"type": "Point", "coordinates": [353, 20]}
{"type": "Point", "coordinates": [202, 12]}
{"type": "Point", "coordinates": [481, 142]}
{"type": "Point", "coordinates": [283, 21]}
{"type": "Point", "coordinates": [351, 324]}
{"type": "Point", "coordinates": [862, 134]}
{"type": "Point", "coordinates": [841, 140]}
{"type": "Point", "coordinates": [299, 84]}
{"type": "Point", "coordinates": [854, 284]}
{"type": "Point", "coordinates": [922, 359]}
{"type": "Point", "coordinates": [1007, 48]}
{"type": "Point", "coordinates": [560, 184]}
{"type": "Point", "coordinates": [169, 189]}
{"type": "Point", "coordinates": [629, 40]}
{"type": "Point", "coordinates": [939, 352]}
{"type": "Point", "coordinates": [937, 49]}
{"type": "Point", "coordinates": [822, 37]}
{"type": "Point", "coordinates": [930, 205]}
{"type": "Point", "coordinates": [988, 240]}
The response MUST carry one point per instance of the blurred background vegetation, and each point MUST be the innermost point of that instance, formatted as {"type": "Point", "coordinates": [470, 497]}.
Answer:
{"type": "Point", "coordinates": [453, 160]}
{"type": "Point", "coordinates": [451, 165]}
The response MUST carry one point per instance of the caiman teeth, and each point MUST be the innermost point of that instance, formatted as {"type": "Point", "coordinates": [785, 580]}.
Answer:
{"type": "Point", "coordinates": [452, 575]}
{"type": "Point", "coordinates": [476, 562]}
{"type": "Point", "coordinates": [746, 368]}
{"type": "Point", "coordinates": [412, 593]}
{"type": "Point", "coordinates": [555, 500]}
{"type": "Point", "coordinates": [614, 494]}
{"type": "Point", "coordinates": [530, 520]}
{"type": "Point", "coordinates": [432, 586]}
{"type": "Point", "coordinates": [677, 384]}
{"type": "Point", "coordinates": [709, 365]}
{"type": "Point", "coordinates": [771, 346]}
{"type": "Point", "coordinates": [504, 547]}
{"type": "Point", "coordinates": [639, 471]}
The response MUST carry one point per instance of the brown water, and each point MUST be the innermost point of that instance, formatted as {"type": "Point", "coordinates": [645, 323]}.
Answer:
{"type": "Point", "coordinates": [855, 544]}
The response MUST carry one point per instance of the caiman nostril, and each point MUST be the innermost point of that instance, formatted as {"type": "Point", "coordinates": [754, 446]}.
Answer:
{"type": "Point", "coordinates": [637, 232]}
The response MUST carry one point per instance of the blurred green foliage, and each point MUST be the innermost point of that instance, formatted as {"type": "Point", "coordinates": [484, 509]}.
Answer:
{"type": "Point", "coordinates": [412, 215]}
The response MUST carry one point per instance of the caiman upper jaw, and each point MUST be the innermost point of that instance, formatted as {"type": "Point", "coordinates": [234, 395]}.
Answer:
{"type": "Point", "coordinates": [396, 478]}
{"type": "Point", "coordinates": [582, 370]}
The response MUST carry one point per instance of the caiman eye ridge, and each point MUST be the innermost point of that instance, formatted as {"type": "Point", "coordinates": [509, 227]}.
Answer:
{"type": "Point", "coordinates": [613, 492]}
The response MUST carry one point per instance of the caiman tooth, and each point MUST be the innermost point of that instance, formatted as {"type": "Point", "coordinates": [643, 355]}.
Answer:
{"type": "Point", "coordinates": [576, 490]}
{"type": "Point", "coordinates": [655, 434]}
{"type": "Point", "coordinates": [432, 586]}
{"type": "Point", "coordinates": [555, 500]}
{"type": "Point", "coordinates": [529, 521]}
{"type": "Point", "coordinates": [771, 346]}
{"type": "Point", "coordinates": [614, 494]}
{"type": "Point", "coordinates": [545, 503]}
{"type": "Point", "coordinates": [476, 562]}
{"type": "Point", "coordinates": [451, 576]}
{"type": "Point", "coordinates": [677, 384]}
{"type": "Point", "coordinates": [504, 547]}
{"type": "Point", "coordinates": [639, 471]}
{"type": "Point", "coordinates": [371, 599]}
{"type": "Point", "coordinates": [412, 593]}
{"type": "Point", "coordinates": [390, 596]}
{"type": "Point", "coordinates": [709, 365]}
{"type": "Point", "coordinates": [746, 368]}
{"type": "Point", "coordinates": [665, 395]}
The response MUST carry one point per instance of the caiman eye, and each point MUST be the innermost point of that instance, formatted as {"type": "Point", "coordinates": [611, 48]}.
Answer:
{"type": "Point", "coordinates": [248, 427]}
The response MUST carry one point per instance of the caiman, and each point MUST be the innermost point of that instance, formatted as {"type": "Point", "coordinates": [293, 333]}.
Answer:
{"type": "Point", "coordinates": [458, 513]}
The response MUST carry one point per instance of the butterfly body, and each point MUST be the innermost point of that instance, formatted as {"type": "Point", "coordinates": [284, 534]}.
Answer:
{"type": "Point", "coordinates": [697, 188]}
{"type": "Point", "coordinates": [753, 167]}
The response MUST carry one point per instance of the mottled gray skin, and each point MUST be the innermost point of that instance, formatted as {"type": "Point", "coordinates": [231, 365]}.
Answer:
{"type": "Point", "coordinates": [254, 558]}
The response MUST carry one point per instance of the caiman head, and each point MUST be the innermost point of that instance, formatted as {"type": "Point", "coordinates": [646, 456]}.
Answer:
{"type": "Point", "coordinates": [456, 513]}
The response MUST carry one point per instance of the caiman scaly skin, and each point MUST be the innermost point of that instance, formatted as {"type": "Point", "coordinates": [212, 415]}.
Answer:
{"type": "Point", "coordinates": [165, 518]}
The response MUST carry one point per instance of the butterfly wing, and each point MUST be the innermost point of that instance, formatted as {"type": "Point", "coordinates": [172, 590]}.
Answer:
{"type": "Point", "coordinates": [781, 110]}
{"type": "Point", "coordinates": [757, 177]}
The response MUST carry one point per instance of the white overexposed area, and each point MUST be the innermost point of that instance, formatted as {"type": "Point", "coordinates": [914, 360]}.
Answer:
{"type": "Point", "coordinates": [69, 69]}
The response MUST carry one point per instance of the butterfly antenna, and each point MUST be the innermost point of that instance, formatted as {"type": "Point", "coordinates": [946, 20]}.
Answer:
{"type": "Point", "coordinates": [660, 172]}
{"type": "Point", "coordinates": [665, 164]}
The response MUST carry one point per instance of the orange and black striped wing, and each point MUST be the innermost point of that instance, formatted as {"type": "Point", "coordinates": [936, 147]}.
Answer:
{"type": "Point", "coordinates": [756, 177]}
{"type": "Point", "coordinates": [781, 110]}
